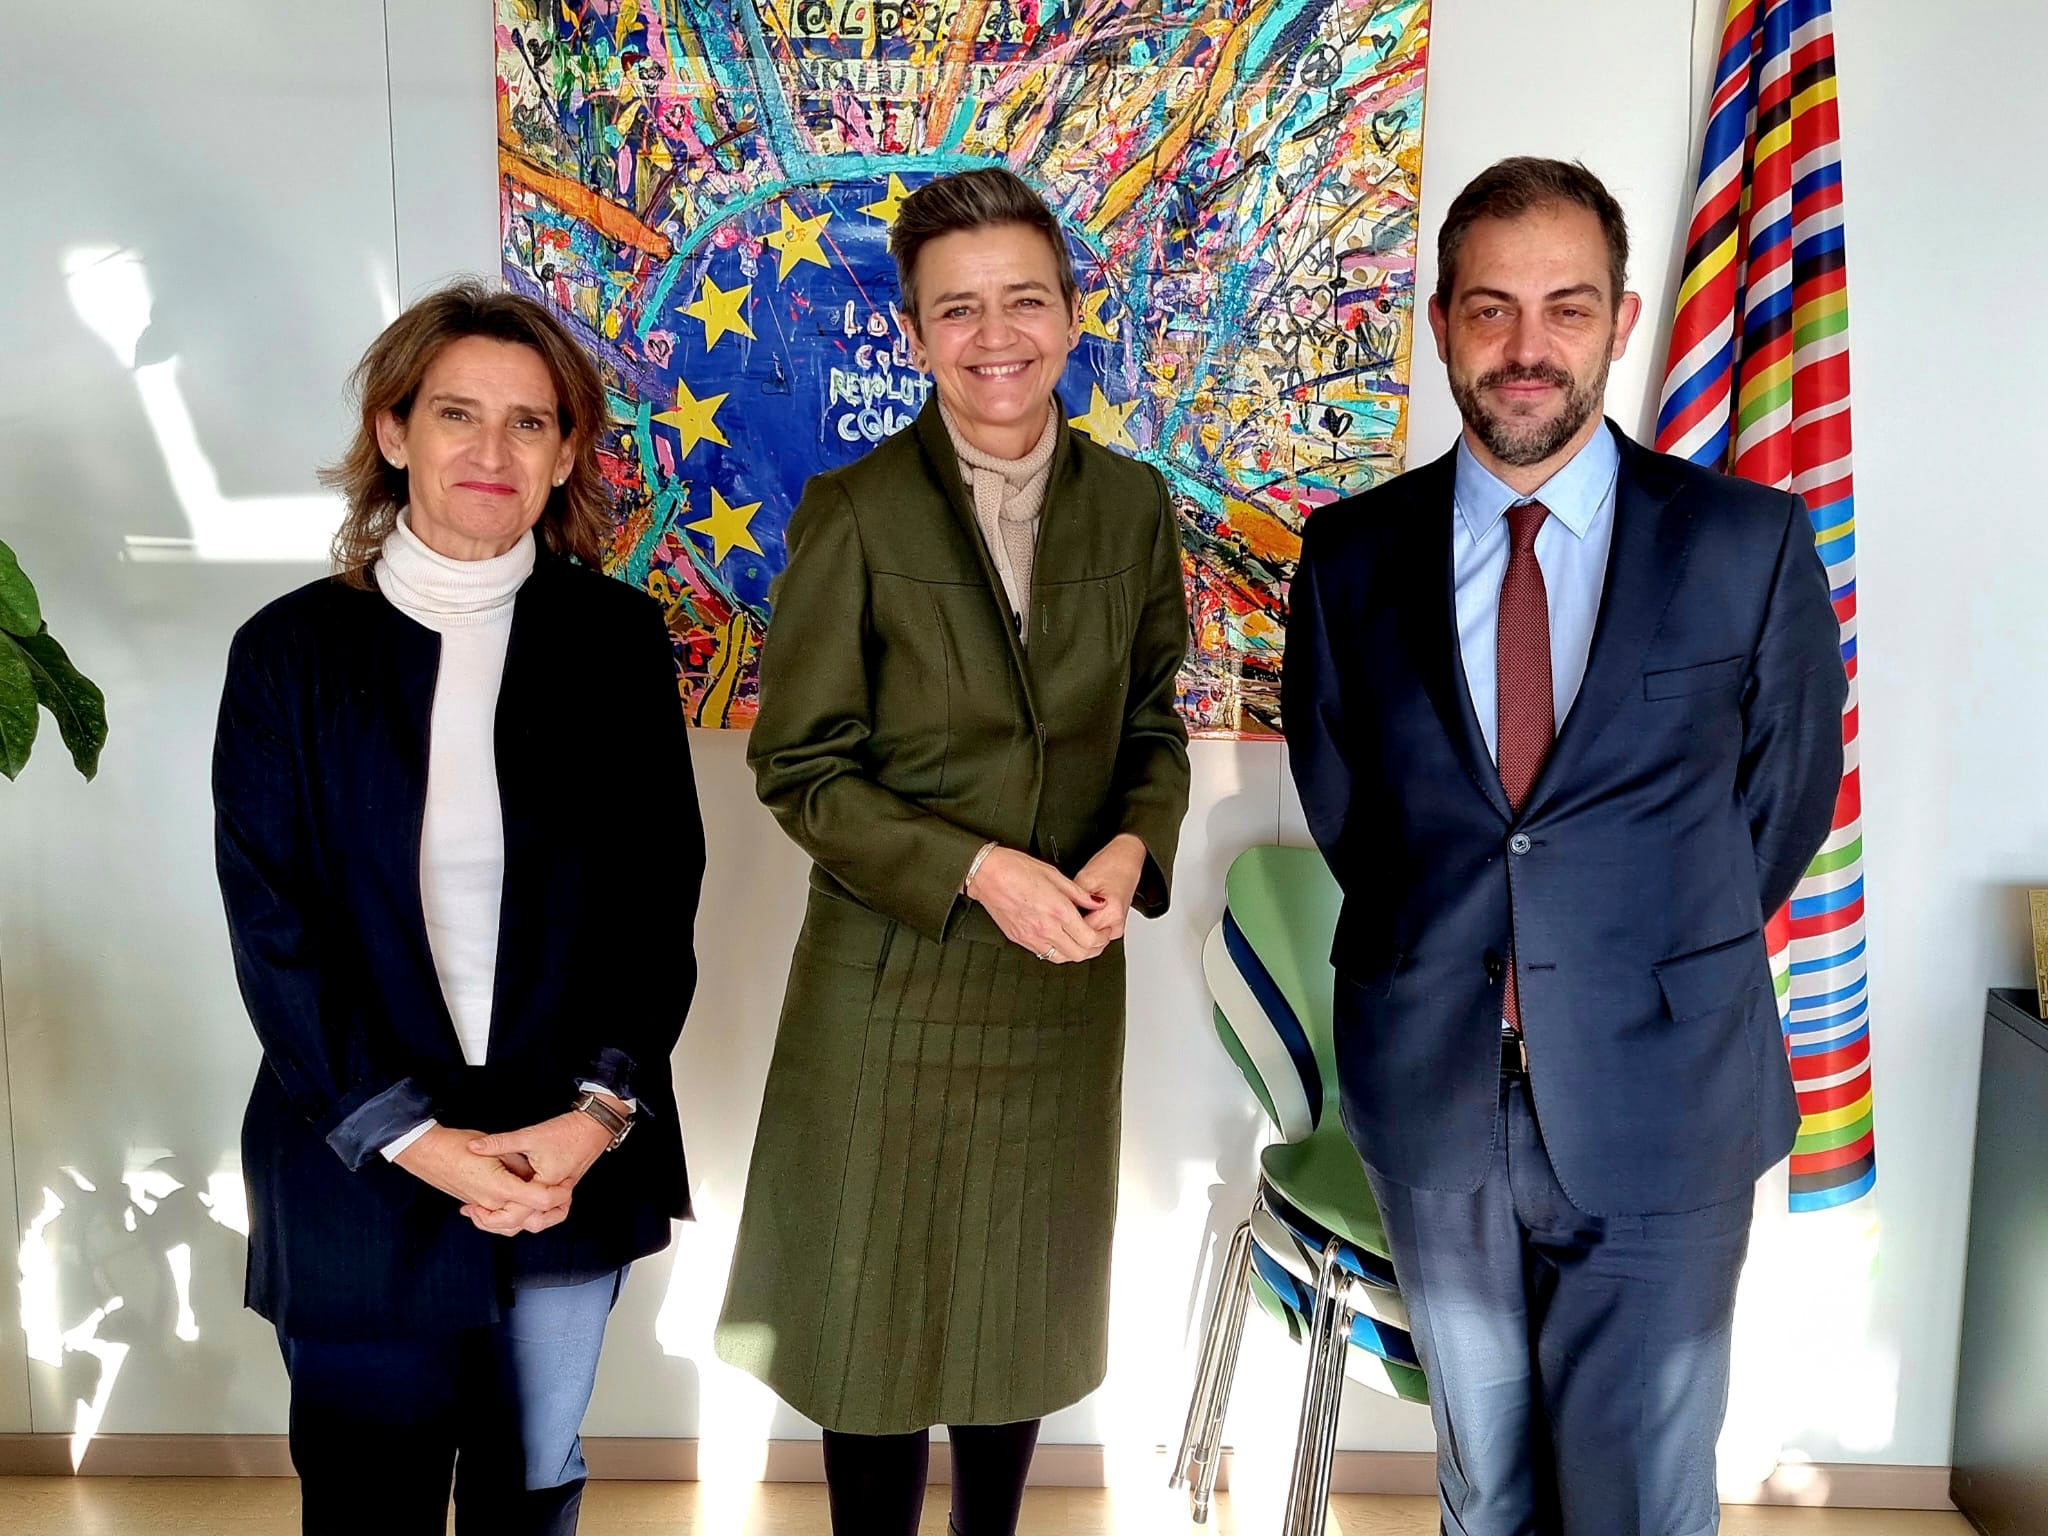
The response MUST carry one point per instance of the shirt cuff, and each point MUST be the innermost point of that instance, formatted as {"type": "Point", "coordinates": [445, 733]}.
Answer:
{"type": "Point", "coordinates": [632, 1106]}
{"type": "Point", "coordinates": [610, 1071]}
{"type": "Point", "coordinates": [391, 1149]}
{"type": "Point", "coordinates": [366, 1129]}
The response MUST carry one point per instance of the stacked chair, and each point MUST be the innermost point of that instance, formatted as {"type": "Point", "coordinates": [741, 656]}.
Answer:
{"type": "Point", "coordinates": [1311, 1251]}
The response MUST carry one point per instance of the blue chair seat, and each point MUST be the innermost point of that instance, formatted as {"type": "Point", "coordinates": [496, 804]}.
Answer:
{"type": "Point", "coordinates": [1285, 1300]}
{"type": "Point", "coordinates": [1300, 1248]}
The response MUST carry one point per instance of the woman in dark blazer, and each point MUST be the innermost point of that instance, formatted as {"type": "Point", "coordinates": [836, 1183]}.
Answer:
{"type": "Point", "coordinates": [968, 720]}
{"type": "Point", "coordinates": [448, 950]}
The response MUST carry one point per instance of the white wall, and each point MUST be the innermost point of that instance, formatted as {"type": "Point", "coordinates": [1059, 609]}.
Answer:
{"type": "Point", "coordinates": [243, 169]}
{"type": "Point", "coordinates": [1949, 327]}
{"type": "Point", "coordinates": [281, 200]}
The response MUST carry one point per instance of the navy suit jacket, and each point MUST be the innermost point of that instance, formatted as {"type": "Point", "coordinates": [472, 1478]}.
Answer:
{"type": "Point", "coordinates": [1692, 781]}
{"type": "Point", "coordinates": [320, 778]}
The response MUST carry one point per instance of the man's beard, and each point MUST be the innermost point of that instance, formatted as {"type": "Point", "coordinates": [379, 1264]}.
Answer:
{"type": "Point", "coordinates": [1522, 443]}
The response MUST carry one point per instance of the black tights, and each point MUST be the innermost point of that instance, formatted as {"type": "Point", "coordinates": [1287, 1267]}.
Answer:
{"type": "Point", "coordinates": [876, 1482]}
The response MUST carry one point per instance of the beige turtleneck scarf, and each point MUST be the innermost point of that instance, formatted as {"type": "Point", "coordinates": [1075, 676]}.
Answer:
{"type": "Point", "coordinates": [1008, 496]}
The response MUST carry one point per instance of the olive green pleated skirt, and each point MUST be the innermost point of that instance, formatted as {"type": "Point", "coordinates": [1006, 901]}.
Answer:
{"type": "Point", "coordinates": [927, 1226]}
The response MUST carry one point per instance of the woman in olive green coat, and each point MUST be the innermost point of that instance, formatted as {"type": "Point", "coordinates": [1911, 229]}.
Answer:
{"type": "Point", "coordinates": [968, 721]}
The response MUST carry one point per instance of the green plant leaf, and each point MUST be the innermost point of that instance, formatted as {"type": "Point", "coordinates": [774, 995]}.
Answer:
{"type": "Point", "coordinates": [20, 612]}
{"type": "Point", "coordinates": [74, 698]}
{"type": "Point", "coordinates": [17, 707]}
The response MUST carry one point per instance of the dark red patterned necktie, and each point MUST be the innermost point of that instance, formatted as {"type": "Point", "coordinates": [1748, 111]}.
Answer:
{"type": "Point", "coordinates": [1525, 712]}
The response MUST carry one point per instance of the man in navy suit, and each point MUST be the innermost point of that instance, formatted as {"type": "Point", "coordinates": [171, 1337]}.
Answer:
{"type": "Point", "coordinates": [1565, 715]}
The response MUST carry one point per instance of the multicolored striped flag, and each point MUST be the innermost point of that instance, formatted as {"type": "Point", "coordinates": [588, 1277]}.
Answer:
{"type": "Point", "coordinates": [1758, 384]}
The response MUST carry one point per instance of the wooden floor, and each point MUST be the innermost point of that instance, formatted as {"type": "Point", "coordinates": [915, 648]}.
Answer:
{"type": "Point", "coordinates": [110, 1506]}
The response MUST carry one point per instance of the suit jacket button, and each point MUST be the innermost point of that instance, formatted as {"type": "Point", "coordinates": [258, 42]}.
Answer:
{"type": "Point", "coordinates": [1495, 966]}
{"type": "Point", "coordinates": [1519, 843]}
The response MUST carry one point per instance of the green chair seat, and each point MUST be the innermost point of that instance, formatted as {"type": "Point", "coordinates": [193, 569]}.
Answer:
{"type": "Point", "coordinates": [1285, 903]}
{"type": "Point", "coordinates": [1321, 1176]}
{"type": "Point", "coordinates": [1313, 1251]}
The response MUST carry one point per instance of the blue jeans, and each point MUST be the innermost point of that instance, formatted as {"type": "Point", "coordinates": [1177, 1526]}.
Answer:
{"type": "Point", "coordinates": [1578, 1365]}
{"type": "Point", "coordinates": [379, 1427]}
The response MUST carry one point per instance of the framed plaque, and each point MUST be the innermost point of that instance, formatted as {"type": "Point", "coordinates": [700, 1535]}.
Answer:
{"type": "Point", "coordinates": [2038, 901]}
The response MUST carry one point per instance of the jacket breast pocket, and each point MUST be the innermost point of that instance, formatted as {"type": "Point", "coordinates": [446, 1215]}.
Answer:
{"type": "Point", "coordinates": [1709, 980]}
{"type": "Point", "coordinates": [1682, 682]}
{"type": "Point", "coordinates": [1081, 647]}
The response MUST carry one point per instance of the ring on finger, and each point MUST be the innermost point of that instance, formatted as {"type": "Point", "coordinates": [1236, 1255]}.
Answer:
{"type": "Point", "coordinates": [1050, 951]}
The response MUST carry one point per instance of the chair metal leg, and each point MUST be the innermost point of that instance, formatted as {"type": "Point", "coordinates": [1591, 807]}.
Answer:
{"type": "Point", "coordinates": [1239, 1281]}
{"type": "Point", "coordinates": [1205, 1369]}
{"type": "Point", "coordinates": [1308, 1424]}
{"type": "Point", "coordinates": [1314, 1439]}
{"type": "Point", "coordinates": [1317, 1510]}
{"type": "Point", "coordinates": [1196, 1466]}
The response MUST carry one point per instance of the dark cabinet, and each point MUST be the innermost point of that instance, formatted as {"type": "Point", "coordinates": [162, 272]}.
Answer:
{"type": "Point", "coordinates": [2000, 1477]}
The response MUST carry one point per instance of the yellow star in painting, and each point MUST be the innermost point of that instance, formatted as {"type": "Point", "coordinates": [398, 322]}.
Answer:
{"type": "Point", "coordinates": [695, 419]}
{"type": "Point", "coordinates": [1092, 323]}
{"type": "Point", "coordinates": [1106, 423]}
{"type": "Point", "coordinates": [727, 527]}
{"type": "Point", "coordinates": [797, 240]}
{"type": "Point", "coordinates": [887, 209]}
{"type": "Point", "coordinates": [719, 309]}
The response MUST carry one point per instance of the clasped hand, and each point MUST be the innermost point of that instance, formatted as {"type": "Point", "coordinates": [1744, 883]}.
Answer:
{"type": "Point", "coordinates": [1061, 920]}
{"type": "Point", "coordinates": [516, 1182]}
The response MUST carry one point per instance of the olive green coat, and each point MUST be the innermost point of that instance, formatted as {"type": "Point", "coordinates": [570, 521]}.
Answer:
{"type": "Point", "coordinates": [928, 1214]}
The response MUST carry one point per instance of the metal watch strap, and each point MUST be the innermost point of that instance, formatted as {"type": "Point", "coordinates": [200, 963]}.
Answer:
{"type": "Point", "coordinates": [616, 1125]}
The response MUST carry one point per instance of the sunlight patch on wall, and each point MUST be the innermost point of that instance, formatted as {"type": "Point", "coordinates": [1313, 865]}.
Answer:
{"type": "Point", "coordinates": [109, 288]}
{"type": "Point", "coordinates": [180, 1260]}
{"type": "Point", "coordinates": [382, 283]}
{"type": "Point", "coordinates": [1809, 1361]}
{"type": "Point", "coordinates": [39, 1315]}
{"type": "Point", "coordinates": [110, 1354]}
{"type": "Point", "coordinates": [735, 1412]}
{"type": "Point", "coordinates": [1153, 1342]}
{"type": "Point", "coordinates": [49, 1341]}
{"type": "Point", "coordinates": [149, 1186]}
{"type": "Point", "coordinates": [226, 1199]}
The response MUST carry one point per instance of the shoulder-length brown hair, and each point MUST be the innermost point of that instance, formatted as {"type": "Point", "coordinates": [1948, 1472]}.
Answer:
{"type": "Point", "coordinates": [577, 519]}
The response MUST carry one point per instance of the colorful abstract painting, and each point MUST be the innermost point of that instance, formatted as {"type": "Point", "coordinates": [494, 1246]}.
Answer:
{"type": "Point", "coordinates": [705, 193]}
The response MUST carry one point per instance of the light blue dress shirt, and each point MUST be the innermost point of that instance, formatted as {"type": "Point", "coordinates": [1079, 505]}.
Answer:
{"type": "Point", "coordinates": [1571, 547]}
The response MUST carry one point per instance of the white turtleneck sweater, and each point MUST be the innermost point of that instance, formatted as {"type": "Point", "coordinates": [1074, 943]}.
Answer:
{"type": "Point", "coordinates": [462, 841]}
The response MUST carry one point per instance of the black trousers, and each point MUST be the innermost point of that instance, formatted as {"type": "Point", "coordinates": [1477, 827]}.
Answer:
{"type": "Point", "coordinates": [875, 1483]}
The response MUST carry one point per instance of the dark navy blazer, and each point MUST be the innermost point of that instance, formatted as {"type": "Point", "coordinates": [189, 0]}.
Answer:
{"type": "Point", "coordinates": [320, 777]}
{"type": "Point", "coordinates": [1694, 777]}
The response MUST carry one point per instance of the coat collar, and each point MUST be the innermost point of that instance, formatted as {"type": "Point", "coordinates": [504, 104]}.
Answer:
{"type": "Point", "coordinates": [536, 676]}
{"type": "Point", "coordinates": [1652, 528]}
{"type": "Point", "coordinates": [1643, 565]}
{"type": "Point", "coordinates": [943, 463]}
{"type": "Point", "coordinates": [1430, 615]}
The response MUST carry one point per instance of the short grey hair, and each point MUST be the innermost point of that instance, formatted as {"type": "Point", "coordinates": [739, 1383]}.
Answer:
{"type": "Point", "coordinates": [986, 198]}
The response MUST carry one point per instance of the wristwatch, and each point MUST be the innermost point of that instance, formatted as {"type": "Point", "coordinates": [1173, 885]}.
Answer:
{"type": "Point", "coordinates": [616, 1125]}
